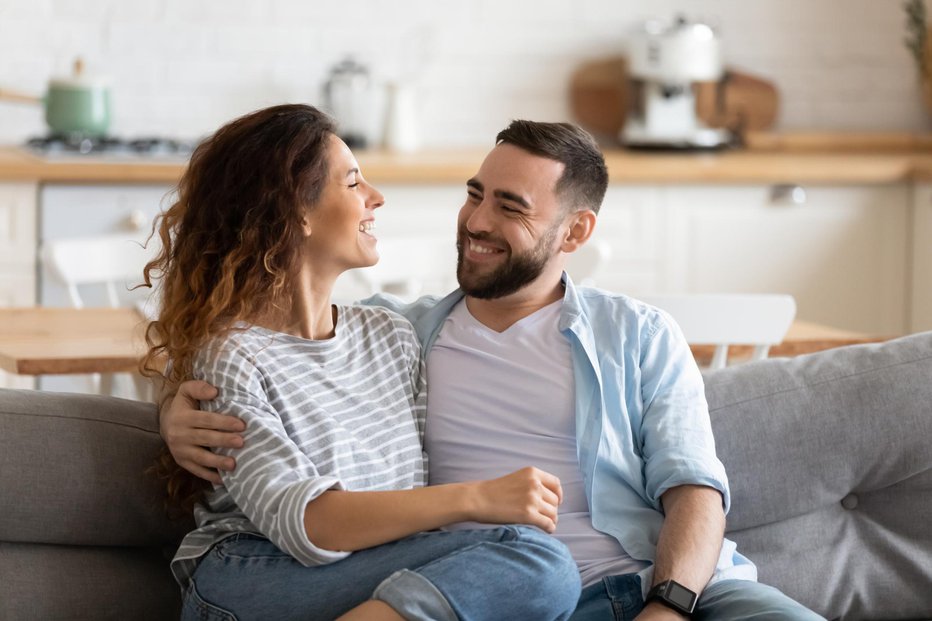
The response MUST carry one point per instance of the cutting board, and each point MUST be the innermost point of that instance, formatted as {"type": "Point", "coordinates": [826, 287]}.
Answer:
{"type": "Point", "coordinates": [599, 95]}
{"type": "Point", "coordinates": [741, 101]}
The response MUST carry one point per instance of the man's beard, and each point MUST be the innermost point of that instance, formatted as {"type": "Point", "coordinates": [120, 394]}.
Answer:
{"type": "Point", "coordinates": [516, 272]}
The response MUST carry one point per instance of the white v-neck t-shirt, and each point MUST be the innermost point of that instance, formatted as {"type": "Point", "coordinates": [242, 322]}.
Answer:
{"type": "Point", "coordinates": [500, 401]}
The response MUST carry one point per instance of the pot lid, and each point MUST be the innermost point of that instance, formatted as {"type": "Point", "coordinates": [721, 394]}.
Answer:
{"type": "Point", "coordinates": [348, 67]}
{"type": "Point", "coordinates": [79, 79]}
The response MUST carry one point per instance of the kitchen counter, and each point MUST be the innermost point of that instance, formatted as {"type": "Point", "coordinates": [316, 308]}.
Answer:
{"type": "Point", "coordinates": [768, 158]}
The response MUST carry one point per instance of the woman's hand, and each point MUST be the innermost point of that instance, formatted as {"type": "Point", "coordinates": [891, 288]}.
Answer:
{"type": "Point", "coordinates": [527, 496]}
{"type": "Point", "coordinates": [341, 520]}
{"type": "Point", "coordinates": [190, 433]}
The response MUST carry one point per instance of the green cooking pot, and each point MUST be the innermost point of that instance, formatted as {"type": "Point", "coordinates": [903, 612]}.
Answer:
{"type": "Point", "coordinates": [74, 105]}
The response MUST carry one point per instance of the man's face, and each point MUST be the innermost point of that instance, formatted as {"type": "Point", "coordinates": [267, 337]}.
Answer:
{"type": "Point", "coordinates": [508, 227]}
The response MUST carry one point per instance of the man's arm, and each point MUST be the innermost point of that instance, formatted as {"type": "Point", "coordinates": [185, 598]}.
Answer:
{"type": "Point", "coordinates": [690, 542]}
{"type": "Point", "coordinates": [188, 431]}
{"type": "Point", "coordinates": [684, 477]}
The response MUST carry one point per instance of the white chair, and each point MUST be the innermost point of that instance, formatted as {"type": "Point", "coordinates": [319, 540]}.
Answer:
{"type": "Point", "coordinates": [585, 263]}
{"type": "Point", "coordinates": [761, 320]}
{"type": "Point", "coordinates": [409, 267]}
{"type": "Point", "coordinates": [113, 262]}
{"type": "Point", "coordinates": [110, 261]}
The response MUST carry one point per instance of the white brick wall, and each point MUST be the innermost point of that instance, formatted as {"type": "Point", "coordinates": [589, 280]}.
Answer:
{"type": "Point", "coordinates": [181, 67]}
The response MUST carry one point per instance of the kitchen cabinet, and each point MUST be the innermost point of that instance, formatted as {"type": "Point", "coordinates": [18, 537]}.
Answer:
{"type": "Point", "coordinates": [631, 223]}
{"type": "Point", "coordinates": [70, 210]}
{"type": "Point", "coordinates": [17, 255]}
{"type": "Point", "coordinates": [17, 243]}
{"type": "Point", "coordinates": [921, 234]}
{"type": "Point", "coordinates": [842, 252]}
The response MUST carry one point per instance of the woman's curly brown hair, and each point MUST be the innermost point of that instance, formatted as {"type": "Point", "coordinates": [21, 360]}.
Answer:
{"type": "Point", "coordinates": [231, 244]}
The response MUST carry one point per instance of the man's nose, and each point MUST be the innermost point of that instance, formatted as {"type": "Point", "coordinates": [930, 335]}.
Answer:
{"type": "Point", "coordinates": [479, 220]}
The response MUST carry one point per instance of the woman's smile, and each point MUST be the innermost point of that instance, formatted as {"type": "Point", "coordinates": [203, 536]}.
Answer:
{"type": "Point", "coordinates": [366, 227]}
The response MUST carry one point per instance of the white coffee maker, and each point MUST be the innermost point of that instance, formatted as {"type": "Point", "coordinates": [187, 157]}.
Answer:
{"type": "Point", "coordinates": [665, 60]}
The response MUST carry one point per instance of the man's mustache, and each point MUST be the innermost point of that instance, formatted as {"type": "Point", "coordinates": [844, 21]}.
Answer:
{"type": "Point", "coordinates": [481, 237]}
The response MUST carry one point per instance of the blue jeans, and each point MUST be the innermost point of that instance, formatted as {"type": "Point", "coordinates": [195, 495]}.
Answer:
{"type": "Point", "coordinates": [510, 572]}
{"type": "Point", "coordinates": [618, 598]}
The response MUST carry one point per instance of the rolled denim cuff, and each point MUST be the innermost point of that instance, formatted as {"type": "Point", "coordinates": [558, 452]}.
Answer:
{"type": "Point", "coordinates": [414, 597]}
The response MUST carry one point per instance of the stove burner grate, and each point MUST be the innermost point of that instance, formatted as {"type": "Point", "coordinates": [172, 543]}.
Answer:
{"type": "Point", "coordinates": [78, 144]}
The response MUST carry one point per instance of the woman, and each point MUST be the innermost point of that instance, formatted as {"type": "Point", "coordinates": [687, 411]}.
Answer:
{"type": "Point", "coordinates": [325, 513]}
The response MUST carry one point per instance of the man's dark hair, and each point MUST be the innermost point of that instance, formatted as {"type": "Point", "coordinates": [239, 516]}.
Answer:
{"type": "Point", "coordinates": [585, 177]}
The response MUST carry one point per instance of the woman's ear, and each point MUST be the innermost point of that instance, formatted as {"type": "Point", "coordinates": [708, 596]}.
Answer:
{"type": "Point", "coordinates": [306, 226]}
{"type": "Point", "coordinates": [581, 225]}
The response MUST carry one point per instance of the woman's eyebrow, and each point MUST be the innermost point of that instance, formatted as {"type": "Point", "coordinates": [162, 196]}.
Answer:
{"type": "Point", "coordinates": [352, 171]}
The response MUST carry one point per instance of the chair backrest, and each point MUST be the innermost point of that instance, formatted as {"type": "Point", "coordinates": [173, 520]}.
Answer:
{"type": "Point", "coordinates": [584, 264]}
{"type": "Point", "coordinates": [722, 320]}
{"type": "Point", "coordinates": [109, 260]}
{"type": "Point", "coordinates": [409, 267]}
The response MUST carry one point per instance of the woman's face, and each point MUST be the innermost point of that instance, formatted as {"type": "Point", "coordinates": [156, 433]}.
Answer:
{"type": "Point", "coordinates": [341, 223]}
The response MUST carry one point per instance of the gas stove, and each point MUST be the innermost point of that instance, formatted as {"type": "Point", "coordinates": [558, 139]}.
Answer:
{"type": "Point", "coordinates": [66, 146]}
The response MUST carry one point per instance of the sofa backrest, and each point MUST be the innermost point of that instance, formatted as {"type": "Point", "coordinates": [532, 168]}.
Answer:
{"type": "Point", "coordinates": [829, 459]}
{"type": "Point", "coordinates": [83, 531]}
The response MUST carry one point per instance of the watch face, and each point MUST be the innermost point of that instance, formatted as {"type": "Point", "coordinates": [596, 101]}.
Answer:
{"type": "Point", "coordinates": [680, 595]}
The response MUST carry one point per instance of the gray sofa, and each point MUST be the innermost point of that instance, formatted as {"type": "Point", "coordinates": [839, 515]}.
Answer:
{"type": "Point", "coordinates": [829, 455]}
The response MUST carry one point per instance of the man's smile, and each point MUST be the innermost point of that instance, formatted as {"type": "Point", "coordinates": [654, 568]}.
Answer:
{"type": "Point", "coordinates": [477, 250]}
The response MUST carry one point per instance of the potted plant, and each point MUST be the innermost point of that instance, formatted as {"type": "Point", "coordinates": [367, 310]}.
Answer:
{"type": "Point", "coordinates": [919, 43]}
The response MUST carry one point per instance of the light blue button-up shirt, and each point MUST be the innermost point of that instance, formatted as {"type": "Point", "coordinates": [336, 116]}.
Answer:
{"type": "Point", "coordinates": [642, 421]}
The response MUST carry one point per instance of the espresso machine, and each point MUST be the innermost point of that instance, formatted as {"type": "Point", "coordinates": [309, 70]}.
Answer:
{"type": "Point", "coordinates": [666, 61]}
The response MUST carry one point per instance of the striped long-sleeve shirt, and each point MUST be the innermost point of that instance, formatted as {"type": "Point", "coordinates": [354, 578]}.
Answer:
{"type": "Point", "coordinates": [345, 413]}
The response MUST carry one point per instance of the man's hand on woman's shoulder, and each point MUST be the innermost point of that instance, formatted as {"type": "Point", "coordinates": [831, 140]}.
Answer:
{"type": "Point", "coordinates": [190, 433]}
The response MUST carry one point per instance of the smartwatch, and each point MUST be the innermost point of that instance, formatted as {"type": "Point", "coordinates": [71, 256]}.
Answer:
{"type": "Point", "coordinates": [674, 595]}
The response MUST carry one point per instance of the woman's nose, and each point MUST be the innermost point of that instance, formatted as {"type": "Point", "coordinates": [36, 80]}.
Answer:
{"type": "Point", "coordinates": [376, 199]}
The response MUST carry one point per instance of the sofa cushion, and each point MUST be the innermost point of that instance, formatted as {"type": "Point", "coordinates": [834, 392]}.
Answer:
{"type": "Point", "coordinates": [829, 457]}
{"type": "Point", "coordinates": [72, 471]}
{"type": "Point", "coordinates": [84, 582]}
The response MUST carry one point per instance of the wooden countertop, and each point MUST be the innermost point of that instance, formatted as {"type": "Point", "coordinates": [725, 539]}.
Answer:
{"type": "Point", "coordinates": [767, 158]}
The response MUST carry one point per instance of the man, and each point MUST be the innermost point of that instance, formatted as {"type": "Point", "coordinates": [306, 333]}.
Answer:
{"type": "Point", "coordinates": [597, 388]}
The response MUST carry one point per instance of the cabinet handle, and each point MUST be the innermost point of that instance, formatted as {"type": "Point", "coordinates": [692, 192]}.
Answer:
{"type": "Point", "coordinates": [788, 194]}
{"type": "Point", "coordinates": [137, 220]}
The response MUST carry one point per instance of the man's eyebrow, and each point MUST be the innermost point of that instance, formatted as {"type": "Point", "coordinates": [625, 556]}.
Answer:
{"type": "Point", "coordinates": [502, 194]}
{"type": "Point", "coordinates": [511, 196]}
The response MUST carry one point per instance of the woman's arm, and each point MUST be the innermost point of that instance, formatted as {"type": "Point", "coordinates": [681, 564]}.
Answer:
{"type": "Point", "coordinates": [338, 520]}
{"type": "Point", "coordinates": [308, 513]}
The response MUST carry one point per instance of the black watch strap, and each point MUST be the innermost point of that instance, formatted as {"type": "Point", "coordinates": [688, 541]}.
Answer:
{"type": "Point", "coordinates": [674, 595]}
